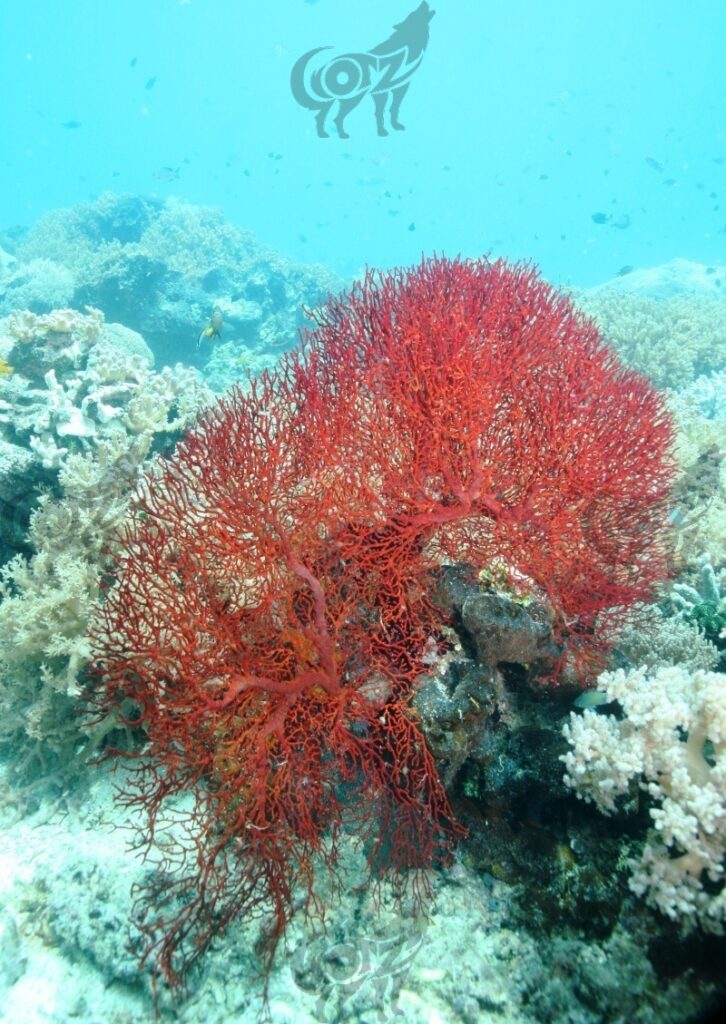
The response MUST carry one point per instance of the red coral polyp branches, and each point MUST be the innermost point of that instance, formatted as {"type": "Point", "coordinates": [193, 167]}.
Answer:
{"type": "Point", "coordinates": [270, 613]}
{"type": "Point", "coordinates": [489, 410]}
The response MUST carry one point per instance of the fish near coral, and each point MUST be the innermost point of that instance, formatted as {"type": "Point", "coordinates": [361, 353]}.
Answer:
{"type": "Point", "coordinates": [213, 329]}
{"type": "Point", "coordinates": [5, 368]}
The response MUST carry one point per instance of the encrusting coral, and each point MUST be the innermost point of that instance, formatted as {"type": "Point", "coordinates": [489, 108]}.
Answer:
{"type": "Point", "coordinates": [271, 609]}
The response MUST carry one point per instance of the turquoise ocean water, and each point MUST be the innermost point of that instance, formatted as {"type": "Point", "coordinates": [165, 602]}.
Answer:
{"type": "Point", "coordinates": [417, 641]}
{"type": "Point", "coordinates": [523, 120]}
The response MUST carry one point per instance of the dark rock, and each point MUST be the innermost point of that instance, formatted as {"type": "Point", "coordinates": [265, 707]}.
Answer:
{"type": "Point", "coordinates": [503, 630]}
{"type": "Point", "coordinates": [494, 627]}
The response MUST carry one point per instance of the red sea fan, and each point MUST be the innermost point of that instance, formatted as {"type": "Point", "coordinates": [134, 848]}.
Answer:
{"type": "Point", "coordinates": [270, 613]}
{"type": "Point", "coordinates": [496, 422]}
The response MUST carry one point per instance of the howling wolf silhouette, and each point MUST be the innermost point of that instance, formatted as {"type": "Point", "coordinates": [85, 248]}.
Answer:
{"type": "Point", "coordinates": [383, 73]}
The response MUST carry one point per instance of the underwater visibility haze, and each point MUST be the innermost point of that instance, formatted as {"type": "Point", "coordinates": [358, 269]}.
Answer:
{"type": "Point", "coordinates": [362, 512]}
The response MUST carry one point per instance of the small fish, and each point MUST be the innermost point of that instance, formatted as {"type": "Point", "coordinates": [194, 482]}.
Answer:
{"type": "Point", "coordinates": [150, 83]}
{"type": "Point", "coordinates": [5, 368]}
{"type": "Point", "coordinates": [651, 162]}
{"type": "Point", "coordinates": [591, 699]}
{"type": "Point", "coordinates": [213, 328]}
{"type": "Point", "coordinates": [670, 182]}
{"type": "Point", "coordinates": [132, 62]}
{"type": "Point", "coordinates": [70, 124]}
{"type": "Point", "coordinates": [412, 226]}
{"type": "Point", "coordinates": [627, 269]}
{"type": "Point", "coordinates": [600, 218]}
{"type": "Point", "coordinates": [166, 174]}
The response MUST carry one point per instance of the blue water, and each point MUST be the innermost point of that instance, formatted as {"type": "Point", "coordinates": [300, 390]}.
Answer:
{"type": "Point", "coordinates": [523, 121]}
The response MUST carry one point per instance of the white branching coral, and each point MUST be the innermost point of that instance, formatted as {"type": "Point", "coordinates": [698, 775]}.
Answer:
{"type": "Point", "coordinates": [80, 381]}
{"type": "Point", "coordinates": [671, 743]}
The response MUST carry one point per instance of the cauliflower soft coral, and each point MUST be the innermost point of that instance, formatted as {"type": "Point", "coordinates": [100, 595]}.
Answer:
{"type": "Point", "coordinates": [672, 740]}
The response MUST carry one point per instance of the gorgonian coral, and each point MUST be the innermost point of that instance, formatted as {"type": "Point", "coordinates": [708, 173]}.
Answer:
{"type": "Point", "coordinates": [271, 609]}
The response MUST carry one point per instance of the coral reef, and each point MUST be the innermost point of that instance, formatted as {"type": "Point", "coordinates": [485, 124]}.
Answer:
{"type": "Point", "coordinates": [671, 742]}
{"type": "Point", "coordinates": [699, 498]}
{"type": "Point", "coordinates": [541, 886]}
{"type": "Point", "coordinates": [39, 284]}
{"type": "Point", "coordinates": [47, 599]}
{"type": "Point", "coordinates": [703, 603]}
{"type": "Point", "coordinates": [677, 336]}
{"type": "Point", "coordinates": [67, 942]}
{"type": "Point", "coordinates": [21, 480]}
{"type": "Point", "coordinates": [232, 363]}
{"type": "Point", "coordinates": [654, 637]}
{"type": "Point", "coordinates": [270, 615]}
{"type": "Point", "coordinates": [160, 268]}
{"type": "Point", "coordinates": [79, 416]}
{"type": "Point", "coordinates": [671, 340]}
{"type": "Point", "coordinates": [78, 381]}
